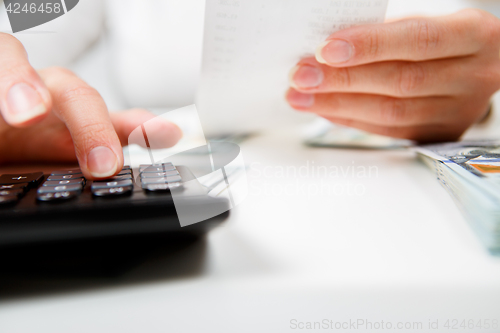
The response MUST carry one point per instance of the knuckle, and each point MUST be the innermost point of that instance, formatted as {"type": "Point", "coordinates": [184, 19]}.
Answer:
{"type": "Point", "coordinates": [74, 92]}
{"type": "Point", "coordinates": [333, 104]}
{"type": "Point", "coordinates": [393, 111]}
{"type": "Point", "coordinates": [90, 132]}
{"type": "Point", "coordinates": [426, 35]}
{"type": "Point", "coordinates": [372, 43]}
{"type": "Point", "coordinates": [58, 71]}
{"type": "Point", "coordinates": [411, 78]}
{"type": "Point", "coordinates": [490, 32]}
{"type": "Point", "coordinates": [341, 78]}
{"type": "Point", "coordinates": [486, 25]}
{"type": "Point", "coordinates": [13, 70]}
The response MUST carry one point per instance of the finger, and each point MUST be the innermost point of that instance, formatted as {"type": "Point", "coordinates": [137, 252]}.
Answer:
{"type": "Point", "coordinates": [420, 133]}
{"type": "Point", "coordinates": [47, 141]}
{"type": "Point", "coordinates": [84, 112]}
{"type": "Point", "coordinates": [24, 99]}
{"type": "Point", "coordinates": [375, 109]}
{"type": "Point", "coordinates": [393, 78]}
{"type": "Point", "coordinates": [165, 133]}
{"type": "Point", "coordinates": [413, 39]}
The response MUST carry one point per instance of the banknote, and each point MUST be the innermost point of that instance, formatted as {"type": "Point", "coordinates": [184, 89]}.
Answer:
{"type": "Point", "coordinates": [470, 172]}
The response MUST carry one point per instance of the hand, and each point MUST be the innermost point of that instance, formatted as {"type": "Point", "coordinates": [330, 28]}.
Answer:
{"type": "Point", "coordinates": [425, 79]}
{"type": "Point", "coordinates": [53, 115]}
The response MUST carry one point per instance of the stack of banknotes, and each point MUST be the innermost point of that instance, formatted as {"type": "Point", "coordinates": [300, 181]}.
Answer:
{"type": "Point", "coordinates": [470, 172]}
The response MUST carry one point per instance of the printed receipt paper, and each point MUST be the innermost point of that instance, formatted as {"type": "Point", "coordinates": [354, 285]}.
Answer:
{"type": "Point", "coordinates": [250, 46]}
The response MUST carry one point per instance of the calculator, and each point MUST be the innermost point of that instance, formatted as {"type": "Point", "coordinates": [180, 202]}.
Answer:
{"type": "Point", "coordinates": [63, 205]}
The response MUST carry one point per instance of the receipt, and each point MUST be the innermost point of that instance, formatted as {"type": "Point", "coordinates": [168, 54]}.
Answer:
{"type": "Point", "coordinates": [251, 45]}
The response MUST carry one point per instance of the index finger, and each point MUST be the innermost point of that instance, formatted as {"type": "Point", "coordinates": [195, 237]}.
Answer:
{"type": "Point", "coordinates": [86, 116]}
{"type": "Point", "coordinates": [413, 39]}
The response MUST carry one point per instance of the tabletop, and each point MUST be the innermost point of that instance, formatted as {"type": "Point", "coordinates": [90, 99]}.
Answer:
{"type": "Point", "coordinates": [325, 236]}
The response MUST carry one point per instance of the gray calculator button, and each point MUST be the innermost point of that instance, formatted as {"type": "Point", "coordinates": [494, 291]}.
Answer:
{"type": "Point", "coordinates": [125, 172]}
{"type": "Point", "coordinates": [160, 180]}
{"type": "Point", "coordinates": [169, 168]}
{"type": "Point", "coordinates": [63, 182]}
{"type": "Point", "coordinates": [160, 187]}
{"type": "Point", "coordinates": [113, 191]}
{"type": "Point", "coordinates": [60, 188]}
{"type": "Point", "coordinates": [151, 168]}
{"type": "Point", "coordinates": [108, 184]}
{"type": "Point", "coordinates": [117, 178]}
{"type": "Point", "coordinates": [66, 172]}
{"type": "Point", "coordinates": [160, 174]}
{"type": "Point", "coordinates": [66, 177]}
{"type": "Point", "coordinates": [54, 196]}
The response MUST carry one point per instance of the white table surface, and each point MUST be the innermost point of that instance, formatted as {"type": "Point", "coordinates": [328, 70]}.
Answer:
{"type": "Point", "coordinates": [397, 250]}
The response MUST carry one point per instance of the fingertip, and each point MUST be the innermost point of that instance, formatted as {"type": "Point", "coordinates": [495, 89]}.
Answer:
{"type": "Point", "coordinates": [319, 53]}
{"type": "Point", "coordinates": [176, 134]}
{"type": "Point", "coordinates": [103, 162]}
{"type": "Point", "coordinates": [300, 101]}
{"type": "Point", "coordinates": [335, 52]}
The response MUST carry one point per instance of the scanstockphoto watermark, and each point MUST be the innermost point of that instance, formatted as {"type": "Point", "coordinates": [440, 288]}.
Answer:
{"type": "Point", "coordinates": [359, 324]}
{"type": "Point", "coordinates": [311, 179]}
{"type": "Point", "coordinates": [447, 324]}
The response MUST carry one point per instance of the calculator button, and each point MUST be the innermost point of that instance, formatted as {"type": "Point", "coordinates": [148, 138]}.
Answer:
{"type": "Point", "coordinates": [61, 188]}
{"type": "Point", "coordinates": [169, 168]}
{"type": "Point", "coordinates": [109, 184]}
{"type": "Point", "coordinates": [160, 180]}
{"type": "Point", "coordinates": [56, 196]}
{"type": "Point", "coordinates": [66, 172]}
{"type": "Point", "coordinates": [159, 174]}
{"type": "Point", "coordinates": [125, 172]}
{"type": "Point", "coordinates": [22, 186]}
{"type": "Point", "coordinates": [113, 191]}
{"type": "Point", "coordinates": [31, 178]}
{"type": "Point", "coordinates": [160, 187]}
{"type": "Point", "coordinates": [126, 167]}
{"type": "Point", "coordinates": [8, 200]}
{"type": "Point", "coordinates": [117, 178]}
{"type": "Point", "coordinates": [66, 177]}
{"type": "Point", "coordinates": [151, 168]}
{"type": "Point", "coordinates": [15, 192]}
{"type": "Point", "coordinates": [63, 182]}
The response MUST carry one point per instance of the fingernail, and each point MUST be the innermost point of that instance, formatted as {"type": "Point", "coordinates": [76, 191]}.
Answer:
{"type": "Point", "coordinates": [23, 104]}
{"type": "Point", "coordinates": [299, 100]}
{"type": "Point", "coordinates": [307, 77]}
{"type": "Point", "coordinates": [102, 162]}
{"type": "Point", "coordinates": [334, 51]}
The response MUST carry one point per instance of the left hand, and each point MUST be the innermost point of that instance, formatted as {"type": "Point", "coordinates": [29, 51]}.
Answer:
{"type": "Point", "coordinates": [424, 79]}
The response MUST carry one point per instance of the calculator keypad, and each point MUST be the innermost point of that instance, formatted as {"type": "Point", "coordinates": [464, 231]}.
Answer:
{"type": "Point", "coordinates": [112, 191]}
{"type": "Point", "coordinates": [122, 184]}
{"type": "Point", "coordinates": [161, 177]}
{"type": "Point", "coordinates": [68, 184]}
{"type": "Point", "coordinates": [58, 196]}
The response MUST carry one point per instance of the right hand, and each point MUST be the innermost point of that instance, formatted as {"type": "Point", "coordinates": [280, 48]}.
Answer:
{"type": "Point", "coordinates": [52, 115]}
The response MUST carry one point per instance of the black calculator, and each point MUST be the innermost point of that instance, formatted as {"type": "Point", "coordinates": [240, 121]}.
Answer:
{"type": "Point", "coordinates": [63, 205]}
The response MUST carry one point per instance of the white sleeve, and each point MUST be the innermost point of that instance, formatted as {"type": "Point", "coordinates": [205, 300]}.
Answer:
{"type": "Point", "coordinates": [61, 41]}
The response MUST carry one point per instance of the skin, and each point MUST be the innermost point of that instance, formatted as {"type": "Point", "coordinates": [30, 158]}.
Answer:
{"type": "Point", "coordinates": [69, 121]}
{"type": "Point", "coordinates": [424, 79]}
